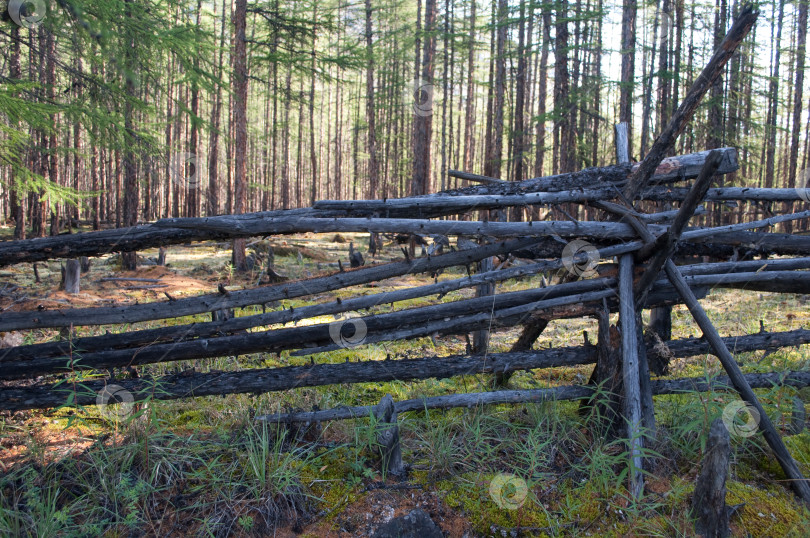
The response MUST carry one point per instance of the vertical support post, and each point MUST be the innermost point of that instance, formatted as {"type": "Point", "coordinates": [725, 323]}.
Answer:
{"type": "Point", "coordinates": [647, 408]}
{"type": "Point", "coordinates": [630, 373]}
{"type": "Point", "coordinates": [481, 337]}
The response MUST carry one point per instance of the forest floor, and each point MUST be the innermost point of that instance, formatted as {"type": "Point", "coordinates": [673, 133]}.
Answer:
{"type": "Point", "coordinates": [203, 466]}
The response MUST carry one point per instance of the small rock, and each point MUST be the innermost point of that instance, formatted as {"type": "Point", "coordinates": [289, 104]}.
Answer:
{"type": "Point", "coordinates": [417, 524]}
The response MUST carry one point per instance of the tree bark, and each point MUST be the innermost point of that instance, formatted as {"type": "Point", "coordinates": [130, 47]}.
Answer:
{"type": "Point", "coordinates": [240, 75]}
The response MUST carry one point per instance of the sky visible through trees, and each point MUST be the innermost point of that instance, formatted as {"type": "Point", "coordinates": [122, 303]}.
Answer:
{"type": "Point", "coordinates": [116, 112]}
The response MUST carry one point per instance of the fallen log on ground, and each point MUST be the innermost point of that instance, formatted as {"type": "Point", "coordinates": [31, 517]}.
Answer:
{"type": "Point", "coordinates": [669, 170]}
{"type": "Point", "coordinates": [503, 310]}
{"type": "Point", "coordinates": [178, 333]}
{"type": "Point", "coordinates": [285, 378]}
{"type": "Point", "coordinates": [761, 280]}
{"type": "Point", "coordinates": [298, 337]}
{"type": "Point", "coordinates": [100, 243]}
{"type": "Point", "coordinates": [796, 379]}
{"type": "Point", "coordinates": [10, 321]}
{"type": "Point", "coordinates": [727, 244]}
{"type": "Point", "coordinates": [248, 225]}
{"type": "Point", "coordinates": [436, 205]}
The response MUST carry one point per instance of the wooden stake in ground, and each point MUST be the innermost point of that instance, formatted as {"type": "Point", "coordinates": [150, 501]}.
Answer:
{"type": "Point", "coordinates": [630, 373]}
{"type": "Point", "coordinates": [388, 437]}
{"type": "Point", "coordinates": [72, 276]}
{"type": "Point", "coordinates": [709, 499]}
{"type": "Point", "coordinates": [739, 382]}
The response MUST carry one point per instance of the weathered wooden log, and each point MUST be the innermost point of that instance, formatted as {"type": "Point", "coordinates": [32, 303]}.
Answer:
{"type": "Point", "coordinates": [723, 194]}
{"type": "Point", "coordinates": [754, 242]}
{"type": "Point", "coordinates": [424, 207]}
{"type": "Point", "coordinates": [753, 266]}
{"type": "Point", "coordinates": [152, 344]}
{"type": "Point", "coordinates": [439, 204]}
{"type": "Point", "coordinates": [630, 375]}
{"type": "Point", "coordinates": [669, 170]}
{"type": "Point", "coordinates": [254, 226]}
{"type": "Point", "coordinates": [737, 244]}
{"type": "Point", "coordinates": [709, 499]}
{"type": "Point", "coordinates": [236, 299]}
{"type": "Point", "coordinates": [648, 218]}
{"type": "Point", "coordinates": [414, 321]}
{"type": "Point", "coordinates": [492, 319]}
{"type": "Point", "coordinates": [666, 139]}
{"type": "Point", "coordinates": [103, 242]}
{"type": "Point", "coordinates": [767, 428]}
{"type": "Point", "coordinates": [569, 392]}
{"type": "Point", "coordinates": [228, 324]}
{"type": "Point", "coordinates": [647, 407]}
{"type": "Point", "coordinates": [277, 379]}
{"type": "Point", "coordinates": [150, 235]}
{"type": "Point", "coordinates": [719, 231]}
{"type": "Point", "coordinates": [772, 281]}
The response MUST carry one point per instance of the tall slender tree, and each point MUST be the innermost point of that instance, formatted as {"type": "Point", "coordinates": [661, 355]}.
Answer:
{"type": "Point", "coordinates": [240, 94]}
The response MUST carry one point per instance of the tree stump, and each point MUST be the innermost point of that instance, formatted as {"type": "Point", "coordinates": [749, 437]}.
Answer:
{"type": "Point", "coordinates": [388, 437]}
{"type": "Point", "coordinates": [71, 276]}
{"type": "Point", "coordinates": [709, 499]}
{"type": "Point", "coordinates": [85, 263]}
{"type": "Point", "coordinates": [606, 405]}
{"type": "Point", "coordinates": [161, 260]}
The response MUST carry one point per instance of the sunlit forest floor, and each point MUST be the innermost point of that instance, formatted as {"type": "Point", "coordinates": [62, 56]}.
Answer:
{"type": "Point", "coordinates": [204, 467]}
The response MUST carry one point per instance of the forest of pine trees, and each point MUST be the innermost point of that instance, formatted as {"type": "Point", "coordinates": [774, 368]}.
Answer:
{"type": "Point", "coordinates": [116, 112]}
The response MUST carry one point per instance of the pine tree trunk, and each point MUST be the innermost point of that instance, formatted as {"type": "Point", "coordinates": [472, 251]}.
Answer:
{"type": "Point", "coordinates": [423, 109]}
{"type": "Point", "coordinates": [562, 99]}
{"type": "Point", "coordinates": [240, 76]}
{"type": "Point", "coordinates": [313, 161]}
{"type": "Point", "coordinates": [715, 135]}
{"type": "Point", "coordinates": [129, 260]}
{"type": "Point", "coordinates": [773, 95]}
{"type": "Point", "coordinates": [469, 109]}
{"type": "Point", "coordinates": [542, 90]}
{"type": "Point", "coordinates": [628, 52]}
{"type": "Point", "coordinates": [371, 133]}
